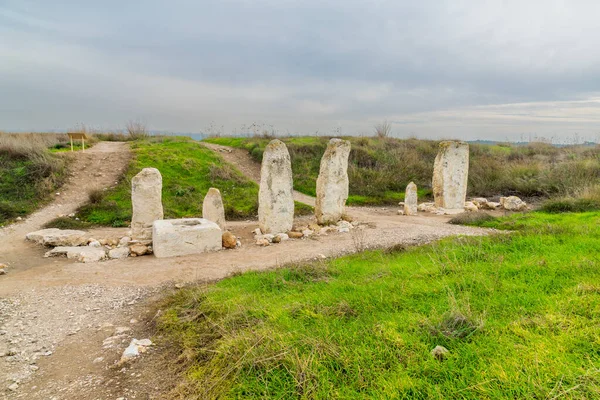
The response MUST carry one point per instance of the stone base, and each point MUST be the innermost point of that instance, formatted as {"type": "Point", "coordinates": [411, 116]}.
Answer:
{"type": "Point", "coordinates": [179, 237]}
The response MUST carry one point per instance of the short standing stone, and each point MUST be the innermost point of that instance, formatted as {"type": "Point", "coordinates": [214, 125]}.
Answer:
{"type": "Point", "coordinates": [410, 199]}
{"type": "Point", "coordinates": [212, 208]}
{"type": "Point", "coordinates": [450, 174]}
{"type": "Point", "coordinates": [179, 237]}
{"type": "Point", "coordinates": [146, 198]}
{"type": "Point", "coordinates": [276, 196]}
{"type": "Point", "coordinates": [332, 183]}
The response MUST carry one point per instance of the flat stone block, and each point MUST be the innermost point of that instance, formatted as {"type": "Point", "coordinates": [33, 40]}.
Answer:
{"type": "Point", "coordinates": [179, 237]}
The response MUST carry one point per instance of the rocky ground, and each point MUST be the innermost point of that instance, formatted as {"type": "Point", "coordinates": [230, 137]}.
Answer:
{"type": "Point", "coordinates": [64, 325]}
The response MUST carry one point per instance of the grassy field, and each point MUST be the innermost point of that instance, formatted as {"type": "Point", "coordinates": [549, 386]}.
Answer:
{"type": "Point", "coordinates": [380, 169]}
{"type": "Point", "coordinates": [518, 313]}
{"type": "Point", "coordinates": [188, 170]}
{"type": "Point", "coordinates": [28, 173]}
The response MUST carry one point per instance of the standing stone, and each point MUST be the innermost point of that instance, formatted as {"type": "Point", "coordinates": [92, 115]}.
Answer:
{"type": "Point", "coordinates": [146, 198]}
{"type": "Point", "coordinates": [410, 199]}
{"type": "Point", "coordinates": [450, 174]}
{"type": "Point", "coordinates": [276, 194]}
{"type": "Point", "coordinates": [212, 208]}
{"type": "Point", "coordinates": [332, 183]}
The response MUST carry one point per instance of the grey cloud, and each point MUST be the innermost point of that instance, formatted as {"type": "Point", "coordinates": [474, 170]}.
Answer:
{"type": "Point", "coordinates": [303, 64]}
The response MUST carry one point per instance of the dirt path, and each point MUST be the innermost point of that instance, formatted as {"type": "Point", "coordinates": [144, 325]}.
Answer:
{"type": "Point", "coordinates": [63, 325]}
{"type": "Point", "coordinates": [97, 168]}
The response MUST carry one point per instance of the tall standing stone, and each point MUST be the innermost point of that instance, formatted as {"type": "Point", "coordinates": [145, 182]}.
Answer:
{"type": "Point", "coordinates": [410, 199]}
{"type": "Point", "coordinates": [146, 198]}
{"type": "Point", "coordinates": [332, 183]}
{"type": "Point", "coordinates": [450, 174]}
{"type": "Point", "coordinates": [276, 194]}
{"type": "Point", "coordinates": [212, 207]}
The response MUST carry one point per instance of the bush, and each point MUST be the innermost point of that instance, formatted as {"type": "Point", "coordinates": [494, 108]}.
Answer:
{"type": "Point", "coordinates": [570, 205]}
{"type": "Point", "coordinates": [28, 172]}
{"type": "Point", "coordinates": [66, 223]}
{"type": "Point", "coordinates": [471, 218]}
{"type": "Point", "coordinates": [137, 130]}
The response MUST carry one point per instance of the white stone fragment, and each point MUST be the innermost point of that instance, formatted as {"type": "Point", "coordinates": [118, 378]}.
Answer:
{"type": "Point", "coordinates": [85, 254]}
{"type": "Point", "coordinates": [212, 208]}
{"type": "Point", "coordinates": [119, 252]}
{"type": "Point", "coordinates": [178, 237]}
{"type": "Point", "coordinates": [450, 175]}
{"type": "Point", "coordinates": [57, 237]}
{"type": "Point", "coordinates": [146, 199]}
{"type": "Point", "coordinates": [276, 196]}
{"type": "Point", "coordinates": [513, 203]}
{"type": "Point", "coordinates": [332, 183]}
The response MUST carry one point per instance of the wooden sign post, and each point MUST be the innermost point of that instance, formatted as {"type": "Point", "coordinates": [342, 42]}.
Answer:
{"type": "Point", "coordinates": [77, 135]}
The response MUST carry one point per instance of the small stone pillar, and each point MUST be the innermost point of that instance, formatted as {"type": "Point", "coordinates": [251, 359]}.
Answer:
{"type": "Point", "coordinates": [332, 183]}
{"type": "Point", "coordinates": [410, 199]}
{"type": "Point", "coordinates": [146, 199]}
{"type": "Point", "coordinates": [276, 194]}
{"type": "Point", "coordinates": [212, 207]}
{"type": "Point", "coordinates": [450, 175]}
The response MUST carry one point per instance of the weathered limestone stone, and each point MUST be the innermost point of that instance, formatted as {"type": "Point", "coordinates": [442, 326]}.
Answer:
{"type": "Point", "coordinates": [138, 249]}
{"type": "Point", "coordinates": [212, 208]}
{"type": "Point", "coordinates": [229, 240]}
{"type": "Point", "coordinates": [146, 198]}
{"type": "Point", "coordinates": [276, 196]}
{"type": "Point", "coordinates": [513, 203]}
{"type": "Point", "coordinates": [179, 237]}
{"type": "Point", "coordinates": [471, 206]}
{"type": "Point", "coordinates": [410, 199]}
{"type": "Point", "coordinates": [58, 237]}
{"type": "Point", "coordinates": [83, 254]}
{"type": "Point", "coordinates": [332, 183]}
{"type": "Point", "coordinates": [119, 252]}
{"type": "Point", "coordinates": [450, 174]}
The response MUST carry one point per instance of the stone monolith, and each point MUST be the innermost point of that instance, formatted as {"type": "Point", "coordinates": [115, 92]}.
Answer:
{"type": "Point", "coordinates": [410, 199]}
{"type": "Point", "coordinates": [450, 174]}
{"type": "Point", "coordinates": [146, 199]}
{"type": "Point", "coordinates": [212, 207]}
{"type": "Point", "coordinates": [276, 194]}
{"type": "Point", "coordinates": [332, 183]}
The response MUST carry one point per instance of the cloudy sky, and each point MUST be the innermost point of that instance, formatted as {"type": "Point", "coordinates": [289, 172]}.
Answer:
{"type": "Point", "coordinates": [434, 69]}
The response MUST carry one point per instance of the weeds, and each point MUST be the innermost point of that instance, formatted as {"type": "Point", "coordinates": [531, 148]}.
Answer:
{"type": "Point", "coordinates": [29, 173]}
{"type": "Point", "coordinates": [137, 130]}
{"type": "Point", "coordinates": [380, 168]}
{"type": "Point", "coordinates": [471, 218]}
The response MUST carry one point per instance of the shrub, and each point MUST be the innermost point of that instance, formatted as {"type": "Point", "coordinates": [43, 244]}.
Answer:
{"type": "Point", "coordinates": [471, 218]}
{"type": "Point", "coordinates": [136, 130]}
{"type": "Point", "coordinates": [96, 196]}
{"type": "Point", "coordinates": [66, 223]}
{"type": "Point", "coordinates": [570, 205]}
{"type": "Point", "coordinates": [383, 129]}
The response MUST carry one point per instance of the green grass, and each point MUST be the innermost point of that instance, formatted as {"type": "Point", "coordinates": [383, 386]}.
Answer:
{"type": "Point", "coordinates": [380, 169]}
{"type": "Point", "coordinates": [188, 170]}
{"type": "Point", "coordinates": [518, 313]}
{"type": "Point", "coordinates": [29, 175]}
